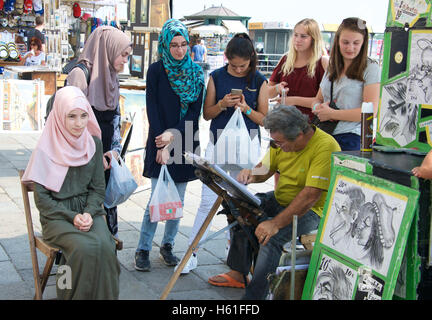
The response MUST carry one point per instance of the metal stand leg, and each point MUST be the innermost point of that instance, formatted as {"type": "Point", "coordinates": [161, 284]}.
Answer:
{"type": "Point", "coordinates": [194, 244]}
{"type": "Point", "coordinates": [293, 256]}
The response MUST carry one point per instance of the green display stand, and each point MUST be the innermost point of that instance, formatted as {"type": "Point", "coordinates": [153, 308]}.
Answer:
{"type": "Point", "coordinates": [405, 109]}
{"type": "Point", "coordinates": [407, 276]}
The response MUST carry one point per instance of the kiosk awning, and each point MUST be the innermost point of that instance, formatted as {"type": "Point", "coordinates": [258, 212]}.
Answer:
{"type": "Point", "coordinates": [234, 26]}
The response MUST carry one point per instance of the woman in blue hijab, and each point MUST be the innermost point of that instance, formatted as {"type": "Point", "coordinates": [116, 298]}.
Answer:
{"type": "Point", "coordinates": [174, 96]}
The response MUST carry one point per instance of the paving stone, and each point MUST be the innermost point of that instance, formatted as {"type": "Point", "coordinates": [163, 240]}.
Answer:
{"type": "Point", "coordinates": [8, 274]}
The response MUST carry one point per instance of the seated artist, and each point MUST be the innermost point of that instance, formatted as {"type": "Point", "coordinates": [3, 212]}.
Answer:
{"type": "Point", "coordinates": [302, 155]}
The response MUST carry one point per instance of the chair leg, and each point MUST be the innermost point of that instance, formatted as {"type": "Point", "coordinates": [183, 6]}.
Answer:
{"type": "Point", "coordinates": [47, 271]}
{"type": "Point", "coordinates": [37, 283]}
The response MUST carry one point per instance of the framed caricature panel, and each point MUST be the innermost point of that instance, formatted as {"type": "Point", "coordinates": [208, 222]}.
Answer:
{"type": "Point", "coordinates": [408, 12]}
{"type": "Point", "coordinates": [361, 238]}
{"type": "Point", "coordinates": [405, 109]}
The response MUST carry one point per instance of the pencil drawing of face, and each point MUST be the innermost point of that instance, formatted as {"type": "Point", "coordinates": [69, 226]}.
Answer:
{"type": "Point", "coordinates": [347, 212]}
{"type": "Point", "coordinates": [373, 229]}
{"type": "Point", "coordinates": [421, 74]}
{"type": "Point", "coordinates": [398, 118]}
{"type": "Point", "coordinates": [363, 222]}
{"type": "Point", "coordinates": [333, 284]}
{"type": "Point", "coordinates": [420, 77]}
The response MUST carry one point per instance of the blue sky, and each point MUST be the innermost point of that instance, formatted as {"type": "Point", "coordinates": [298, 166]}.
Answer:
{"type": "Point", "coordinates": [292, 11]}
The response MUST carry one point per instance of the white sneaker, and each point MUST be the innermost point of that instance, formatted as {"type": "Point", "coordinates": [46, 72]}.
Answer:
{"type": "Point", "coordinates": [190, 265]}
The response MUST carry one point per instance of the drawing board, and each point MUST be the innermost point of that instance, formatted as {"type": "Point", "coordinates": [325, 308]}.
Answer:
{"type": "Point", "coordinates": [223, 179]}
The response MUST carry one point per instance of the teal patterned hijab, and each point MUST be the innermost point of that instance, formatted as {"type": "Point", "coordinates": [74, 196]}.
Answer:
{"type": "Point", "coordinates": [185, 76]}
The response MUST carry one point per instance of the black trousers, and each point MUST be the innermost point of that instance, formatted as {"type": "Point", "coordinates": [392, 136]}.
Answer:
{"type": "Point", "coordinates": [105, 121]}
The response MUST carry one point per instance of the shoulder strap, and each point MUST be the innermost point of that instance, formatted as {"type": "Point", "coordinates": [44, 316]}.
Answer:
{"type": "Point", "coordinates": [83, 67]}
{"type": "Point", "coordinates": [331, 91]}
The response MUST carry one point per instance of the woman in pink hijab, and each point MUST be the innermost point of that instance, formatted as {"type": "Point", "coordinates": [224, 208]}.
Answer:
{"type": "Point", "coordinates": [67, 169]}
{"type": "Point", "coordinates": [105, 53]}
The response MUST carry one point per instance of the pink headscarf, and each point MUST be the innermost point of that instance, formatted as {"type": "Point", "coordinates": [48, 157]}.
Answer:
{"type": "Point", "coordinates": [57, 149]}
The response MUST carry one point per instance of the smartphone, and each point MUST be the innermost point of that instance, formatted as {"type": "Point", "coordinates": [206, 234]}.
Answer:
{"type": "Point", "coordinates": [236, 92]}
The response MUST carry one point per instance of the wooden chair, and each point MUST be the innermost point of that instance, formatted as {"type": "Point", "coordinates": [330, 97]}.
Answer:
{"type": "Point", "coordinates": [36, 242]}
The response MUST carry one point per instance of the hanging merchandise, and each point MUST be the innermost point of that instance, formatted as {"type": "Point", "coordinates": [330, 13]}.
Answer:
{"type": "Point", "coordinates": [76, 10]}
{"type": "Point", "coordinates": [19, 6]}
{"type": "Point", "coordinates": [4, 52]}
{"type": "Point", "coordinates": [28, 6]}
{"type": "Point", "coordinates": [9, 6]}
{"type": "Point", "coordinates": [93, 24]}
{"type": "Point", "coordinates": [1, 4]}
{"type": "Point", "coordinates": [3, 22]}
{"type": "Point", "coordinates": [38, 7]}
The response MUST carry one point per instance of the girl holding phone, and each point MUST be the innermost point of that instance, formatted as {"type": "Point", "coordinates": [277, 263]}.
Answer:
{"type": "Point", "coordinates": [221, 101]}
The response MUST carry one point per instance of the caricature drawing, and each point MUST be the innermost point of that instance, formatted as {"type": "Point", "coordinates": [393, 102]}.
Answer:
{"type": "Point", "coordinates": [346, 213]}
{"type": "Point", "coordinates": [373, 229]}
{"type": "Point", "coordinates": [420, 78]}
{"type": "Point", "coordinates": [398, 118]}
{"type": "Point", "coordinates": [335, 281]}
{"type": "Point", "coordinates": [363, 224]}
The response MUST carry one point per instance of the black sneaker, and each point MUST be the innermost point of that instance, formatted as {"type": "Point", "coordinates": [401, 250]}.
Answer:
{"type": "Point", "coordinates": [167, 256]}
{"type": "Point", "coordinates": [142, 261]}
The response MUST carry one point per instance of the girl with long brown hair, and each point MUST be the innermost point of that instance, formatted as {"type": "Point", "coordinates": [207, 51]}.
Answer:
{"type": "Point", "coordinates": [355, 78]}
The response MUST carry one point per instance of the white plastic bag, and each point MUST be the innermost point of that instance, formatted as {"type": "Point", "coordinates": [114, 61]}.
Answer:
{"type": "Point", "coordinates": [165, 203]}
{"type": "Point", "coordinates": [234, 148]}
{"type": "Point", "coordinates": [121, 184]}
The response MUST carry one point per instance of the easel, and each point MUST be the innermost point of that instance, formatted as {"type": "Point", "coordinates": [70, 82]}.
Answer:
{"type": "Point", "coordinates": [247, 214]}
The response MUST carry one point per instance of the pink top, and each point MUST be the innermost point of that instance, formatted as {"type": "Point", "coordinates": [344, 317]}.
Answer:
{"type": "Point", "coordinates": [57, 149]}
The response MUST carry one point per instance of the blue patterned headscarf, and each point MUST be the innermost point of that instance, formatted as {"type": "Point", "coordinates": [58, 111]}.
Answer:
{"type": "Point", "coordinates": [185, 76]}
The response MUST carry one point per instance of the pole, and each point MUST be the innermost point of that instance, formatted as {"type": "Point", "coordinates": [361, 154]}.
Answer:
{"type": "Point", "coordinates": [293, 256]}
{"type": "Point", "coordinates": [194, 244]}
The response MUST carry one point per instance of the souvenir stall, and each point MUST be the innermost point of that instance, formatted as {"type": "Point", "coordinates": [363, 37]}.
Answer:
{"type": "Point", "coordinates": [373, 242]}
{"type": "Point", "coordinates": [216, 39]}
{"type": "Point", "coordinates": [146, 18]}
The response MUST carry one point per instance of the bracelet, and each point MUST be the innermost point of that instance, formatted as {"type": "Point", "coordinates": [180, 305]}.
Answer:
{"type": "Point", "coordinates": [220, 106]}
{"type": "Point", "coordinates": [249, 111]}
{"type": "Point", "coordinates": [315, 105]}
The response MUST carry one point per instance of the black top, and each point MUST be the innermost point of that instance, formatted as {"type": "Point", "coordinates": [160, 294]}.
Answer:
{"type": "Point", "coordinates": [163, 112]}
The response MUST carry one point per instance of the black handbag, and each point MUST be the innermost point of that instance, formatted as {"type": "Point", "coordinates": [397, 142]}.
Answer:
{"type": "Point", "coordinates": [329, 125]}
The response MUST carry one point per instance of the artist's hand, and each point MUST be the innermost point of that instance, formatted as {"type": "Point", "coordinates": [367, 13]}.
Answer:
{"type": "Point", "coordinates": [245, 176]}
{"type": "Point", "coordinates": [83, 222]}
{"type": "Point", "coordinates": [164, 139]}
{"type": "Point", "coordinates": [323, 111]}
{"type": "Point", "coordinates": [265, 230]}
{"type": "Point", "coordinates": [162, 156]}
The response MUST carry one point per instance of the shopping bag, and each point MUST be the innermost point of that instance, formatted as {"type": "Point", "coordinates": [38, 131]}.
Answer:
{"type": "Point", "coordinates": [165, 203]}
{"type": "Point", "coordinates": [121, 184]}
{"type": "Point", "coordinates": [234, 148]}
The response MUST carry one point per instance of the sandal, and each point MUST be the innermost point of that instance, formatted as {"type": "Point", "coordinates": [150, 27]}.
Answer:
{"type": "Point", "coordinates": [230, 282]}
